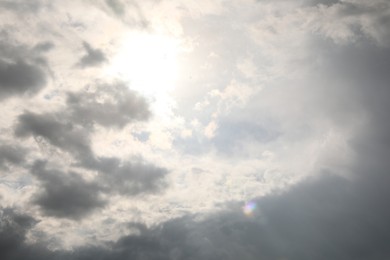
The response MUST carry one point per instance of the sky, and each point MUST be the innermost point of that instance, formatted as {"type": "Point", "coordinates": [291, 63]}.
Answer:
{"type": "Point", "coordinates": [225, 129]}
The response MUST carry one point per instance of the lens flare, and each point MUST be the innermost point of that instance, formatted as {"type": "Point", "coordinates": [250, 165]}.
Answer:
{"type": "Point", "coordinates": [249, 208]}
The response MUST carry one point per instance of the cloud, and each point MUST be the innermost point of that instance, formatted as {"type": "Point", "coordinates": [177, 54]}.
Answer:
{"type": "Point", "coordinates": [19, 77]}
{"type": "Point", "coordinates": [328, 217]}
{"type": "Point", "coordinates": [94, 57]}
{"type": "Point", "coordinates": [232, 135]}
{"type": "Point", "coordinates": [355, 19]}
{"type": "Point", "coordinates": [116, 6]}
{"type": "Point", "coordinates": [116, 176]}
{"type": "Point", "coordinates": [57, 131]}
{"type": "Point", "coordinates": [130, 12]}
{"type": "Point", "coordinates": [108, 106]}
{"type": "Point", "coordinates": [70, 131]}
{"type": "Point", "coordinates": [44, 46]}
{"type": "Point", "coordinates": [325, 217]}
{"type": "Point", "coordinates": [322, 68]}
{"type": "Point", "coordinates": [22, 5]}
{"type": "Point", "coordinates": [129, 178]}
{"type": "Point", "coordinates": [66, 195]}
{"type": "Point", "coordinates": [11, 155]}
{"type": "Point", "coordinates": [14, 227]}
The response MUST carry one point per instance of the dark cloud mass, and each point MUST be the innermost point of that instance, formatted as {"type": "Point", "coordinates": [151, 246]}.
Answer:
{"type": "Point", "coordinates": [66, 195]}
{"type": "Point", "coordinates": [116, 176]}
{"type": "Point", "coordinates": [19, 77]}
{"type": "Point", "coordinates": [56, 130]}
{"type": "Point", "coordinates": [327, 217]}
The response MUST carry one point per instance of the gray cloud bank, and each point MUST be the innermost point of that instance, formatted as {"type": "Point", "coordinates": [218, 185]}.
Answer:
{"type": "Point", "coordinates": [327, 217]}
{"type": "Point", "coordinates": [67, 195]}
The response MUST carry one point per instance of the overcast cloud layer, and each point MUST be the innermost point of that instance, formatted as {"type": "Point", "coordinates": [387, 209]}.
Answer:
{"type": "Point", "coordinates": [194, 129]}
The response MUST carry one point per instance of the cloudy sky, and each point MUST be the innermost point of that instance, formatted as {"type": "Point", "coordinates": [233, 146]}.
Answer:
{"type": "Point", "coordinates": [187, 129]}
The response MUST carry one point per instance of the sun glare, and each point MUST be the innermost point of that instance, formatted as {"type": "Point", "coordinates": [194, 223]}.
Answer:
{"type": "Point", "coordinates": [148, 62]}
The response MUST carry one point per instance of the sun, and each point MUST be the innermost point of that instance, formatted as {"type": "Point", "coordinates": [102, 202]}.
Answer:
{"type": "Point", "coordinates": [148, 62]}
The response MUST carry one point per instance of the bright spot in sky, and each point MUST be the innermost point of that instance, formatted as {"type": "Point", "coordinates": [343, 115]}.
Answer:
{"type": "Point", "coordinates": [249, 208]}
{"type": "Point", "coordinates": [148, 62]}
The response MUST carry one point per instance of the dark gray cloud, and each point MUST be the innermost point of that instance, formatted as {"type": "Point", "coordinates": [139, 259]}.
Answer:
{"type": "Point", "coordinates": [13, 227]}
{"type": "Point", "coordinates": [56, 130]}
{"type": "Point", "coordinates": [128, 178]}
{"type": "Point", "coordinates": [94, 57]}
{"type": "Point", "coordinates": [116, 176]}
{"type": "Point", "coordinates": [108, 106]}
{"type": "Point", "coordinates": [19, 77]}
{"type": "Point", "coordinates": [374, 18]}
{"type": "Point", "coordinates": [13, 230]}
{"type": "Point", "coordinates": [327, 217]}
{"type": "Point", "coordinates": [66, 195]}
{"type": "Point", "coordinates": [11, 155]}
{"type": "Point", "coordinates": [70, 130]}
